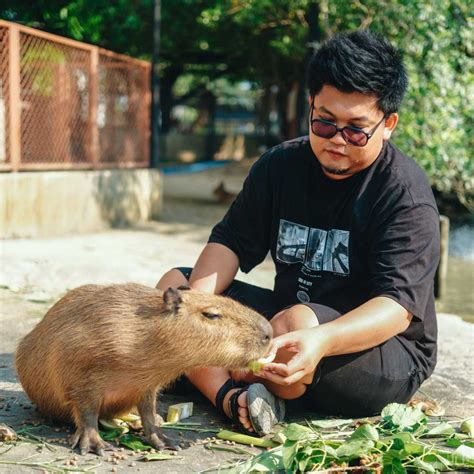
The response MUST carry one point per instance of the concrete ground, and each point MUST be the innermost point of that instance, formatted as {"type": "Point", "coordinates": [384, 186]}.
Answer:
{"type": "Point", "coordinates": [35, 273]}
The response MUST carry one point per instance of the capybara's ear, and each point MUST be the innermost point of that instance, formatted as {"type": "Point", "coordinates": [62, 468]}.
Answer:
{"type": "Point", "coordinates": [172, 299]}
{"type": "Point", "coordinates": [184, 287]}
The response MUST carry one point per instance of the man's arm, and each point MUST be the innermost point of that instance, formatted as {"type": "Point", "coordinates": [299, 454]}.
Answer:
{"type": "Point", "coordinates": [215, 269]}
{"type": "Point", "coordinates": [365, 327]}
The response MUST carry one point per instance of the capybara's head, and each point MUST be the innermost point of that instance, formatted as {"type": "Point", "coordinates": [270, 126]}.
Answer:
{"type": "Point", "coordinates": [219, 330]}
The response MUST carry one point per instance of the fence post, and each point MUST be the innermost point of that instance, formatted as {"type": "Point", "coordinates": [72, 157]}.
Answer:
{"type": "Point", "coordinates": [14, 96]}
{"type": "Point", "coordinates": [442, 270]}
{"type": "Point", "coordinates": [93, 128]}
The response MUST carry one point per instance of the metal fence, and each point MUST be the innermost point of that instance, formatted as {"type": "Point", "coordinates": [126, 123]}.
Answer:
{"type": "Point", "coordinates": [70, 105]}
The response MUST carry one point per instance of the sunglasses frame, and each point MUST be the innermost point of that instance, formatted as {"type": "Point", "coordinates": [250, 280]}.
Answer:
{"type": "Point", "coordinates": [341, 129]}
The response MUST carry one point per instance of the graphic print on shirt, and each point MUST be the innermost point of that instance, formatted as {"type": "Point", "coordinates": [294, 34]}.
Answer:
{"type": "Point", "coordinates": [291, 245]}
{"type": "Point", "coordinates": [319, 250]}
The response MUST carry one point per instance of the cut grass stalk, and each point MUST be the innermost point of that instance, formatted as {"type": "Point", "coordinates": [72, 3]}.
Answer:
{"type": "Point", "coordinates": [181, 423]}
{"type": "Point", "coordinates": [230, 449]}
{"type": "Point", "coordinates": [173, 426]}
{"type": "Point", "coordinates": [245, 439]}
{"type": "Point", "coordinates": [29, 438]}
{"type": "Point", "coordinates": [48, 466]}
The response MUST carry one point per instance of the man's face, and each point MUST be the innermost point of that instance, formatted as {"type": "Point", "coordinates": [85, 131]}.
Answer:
{"type": "Point", "coordinates": [339, 159]}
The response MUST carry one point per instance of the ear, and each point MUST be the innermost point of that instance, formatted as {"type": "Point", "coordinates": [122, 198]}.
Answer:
{"type": "Point", "coordinates": [390, 125]}
{"type": "Point", "coordinates": [172, 299]}
{"type": "Point", "coordinates": [310, 100]}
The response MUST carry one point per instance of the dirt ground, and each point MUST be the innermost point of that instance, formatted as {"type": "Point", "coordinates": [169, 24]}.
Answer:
{"type": "Point", "coordinates": [35, 273]}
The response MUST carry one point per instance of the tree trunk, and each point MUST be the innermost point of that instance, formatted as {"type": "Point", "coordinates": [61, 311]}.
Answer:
{"type": "Point", "coordinates": [166, 96]}
{"type": "Point", "coordinates": [292, 110]}
{"type": "Point", "coordinates": [282, 103]}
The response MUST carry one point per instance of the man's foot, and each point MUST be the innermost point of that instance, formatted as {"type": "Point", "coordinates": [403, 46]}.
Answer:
{"type": "Point", "coordinates": [253, 407]}
{"type": "Point", "coordinates": [242, 409]}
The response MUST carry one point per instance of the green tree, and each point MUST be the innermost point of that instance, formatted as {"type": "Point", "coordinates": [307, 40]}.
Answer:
{"type": "Point", "coordinates": [436, 123]}
{"type": "Point", "coordinates": [267, 42]}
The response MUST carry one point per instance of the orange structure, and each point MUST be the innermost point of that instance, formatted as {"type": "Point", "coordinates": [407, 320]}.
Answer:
{"type": "Point", "coordinates": [70, 105]}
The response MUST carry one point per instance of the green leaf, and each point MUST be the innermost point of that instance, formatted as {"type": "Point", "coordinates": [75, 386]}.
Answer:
{"type": "Point", "coordinates": [413, 449]}
{"type": "Point", "coordinates": [467, 426]}
{"type": "Point", "coordinates": [302, 458]}
{"type": "Point", "coordinates": [289, 451]}
{"type": "Point", "coordinates": [330, 423]}
{"type": "Point", "coordinates": [392, 464]}
{"type": "Point", "coordinates": [465, 452]}
{"type": "Point", "coordinates": [110, 435]}
{"type": "Point", "coordinates": [355, 448]}
{"type": "Point", "coordinates": [456, 442]}
{"type": "Point", "coordinates": [402, 417]}
{"type": "Point", "coordinates": [404, 436]}
{"type": "Point", "coordinates": [268, 461]}
{"type": "Point", "coordinates": [442, 429]}
{"type": "Point", "coordinates": [330, 451]}
{"type": "Point", "coordinates": [295, 432]}
{"type": "Point", "coordinates": [446, 461]}
{"type": "Point", "coordinates": [403, 445]}
{"type": "Point", "coordinates": [365, 431]}
{"type": "Point", "coordinates": [423, 466]}
{"type": "Point", "coordinates": [134, 442]}
{"type": "Point", "coordinates": [453, 442]}
{"type": "Point", "coordinates": [438, 462]}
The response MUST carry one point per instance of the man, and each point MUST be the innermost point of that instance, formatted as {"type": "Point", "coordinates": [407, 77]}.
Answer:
{"type": "Point", "coordinates": [353, 229]}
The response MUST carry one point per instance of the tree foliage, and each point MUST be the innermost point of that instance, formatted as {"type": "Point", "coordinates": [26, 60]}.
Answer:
{"type": "Point", "coordinates": [436, 119]}
{"type": "Point", "coordinates": [268, 42]}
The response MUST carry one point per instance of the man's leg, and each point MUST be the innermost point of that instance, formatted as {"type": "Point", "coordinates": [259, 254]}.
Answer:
{"type": "Point", "coordinates": [208, 380]}
{"type": "Point", "coordinates": [291, 319]}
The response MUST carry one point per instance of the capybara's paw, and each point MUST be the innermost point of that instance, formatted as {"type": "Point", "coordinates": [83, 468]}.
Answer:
{"type": "Point", "coordinates": [89, 441]}
{"type": "Point", "coordinates": [159, 440]}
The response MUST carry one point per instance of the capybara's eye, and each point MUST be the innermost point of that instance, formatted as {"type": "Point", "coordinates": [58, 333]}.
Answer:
{"type": "Point", "coordinates": [211, 315]}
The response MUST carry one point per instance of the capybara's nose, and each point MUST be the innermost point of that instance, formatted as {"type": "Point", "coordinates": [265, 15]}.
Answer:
{"type": "Point", "coordinates": [267, 331]}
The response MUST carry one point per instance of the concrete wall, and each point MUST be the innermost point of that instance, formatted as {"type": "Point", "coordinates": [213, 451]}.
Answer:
{"type": "Point", "coordinates": [39, 204]}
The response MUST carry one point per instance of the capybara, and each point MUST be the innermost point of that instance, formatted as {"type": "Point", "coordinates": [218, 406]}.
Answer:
{"type": "Point", "coordinates": [102, 350]}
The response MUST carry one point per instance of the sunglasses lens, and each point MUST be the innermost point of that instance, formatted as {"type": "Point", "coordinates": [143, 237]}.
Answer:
{"type": "Point", "coordinates": [323, 129]}
{"type": "Point", "coordinates": [354, 137]}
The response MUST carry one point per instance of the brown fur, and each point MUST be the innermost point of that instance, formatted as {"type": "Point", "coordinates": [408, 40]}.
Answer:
{"type": "Point", "coordinates": [101, 350]}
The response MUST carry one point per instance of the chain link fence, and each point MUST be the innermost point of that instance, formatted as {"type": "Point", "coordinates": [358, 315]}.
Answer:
{"type": "Point", "coordinates": [70, 105]}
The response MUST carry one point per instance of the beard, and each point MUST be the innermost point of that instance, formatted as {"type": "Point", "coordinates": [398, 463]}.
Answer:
{"type": "Point", "coordinates": [336, 171]}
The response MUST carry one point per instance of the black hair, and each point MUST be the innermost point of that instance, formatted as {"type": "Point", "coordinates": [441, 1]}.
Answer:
{"type": "Point", "coordinates": [360, 61]}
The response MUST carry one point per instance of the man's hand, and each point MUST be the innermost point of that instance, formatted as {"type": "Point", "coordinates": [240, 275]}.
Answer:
{"type": "Point", "coordinates": [305, 348]}
{"type": "Point", "coordinates": [366, 326]}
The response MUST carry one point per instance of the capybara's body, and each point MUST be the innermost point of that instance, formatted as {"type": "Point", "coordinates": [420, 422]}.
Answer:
{"type": "Point", "coordinates": [101, 350]}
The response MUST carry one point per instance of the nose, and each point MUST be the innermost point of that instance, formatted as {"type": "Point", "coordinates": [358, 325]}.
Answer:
{"type": "Point", "coordinates": [338, 139]}
{"type": "Point", "coordinates": [266, 330]}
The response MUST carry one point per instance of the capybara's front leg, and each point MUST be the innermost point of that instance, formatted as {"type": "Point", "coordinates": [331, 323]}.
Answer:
{"type": "Point", "coordinates": [87, 435]}
{"type": "Point", "coordinates": [151, 421]}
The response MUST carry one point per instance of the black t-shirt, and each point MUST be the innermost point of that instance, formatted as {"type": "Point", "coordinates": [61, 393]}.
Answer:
{"type": "Point", "coordinates": [342, 242]}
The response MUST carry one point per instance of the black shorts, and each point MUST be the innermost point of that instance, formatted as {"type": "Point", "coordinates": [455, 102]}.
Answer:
{"type": "Point", "coordinates": [355, 385]}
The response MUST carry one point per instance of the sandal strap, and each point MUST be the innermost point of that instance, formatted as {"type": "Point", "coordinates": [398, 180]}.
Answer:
{"type": "Point", "coordinates": [234, 405]}
{"type": "Point", "coordinates": [222, 392]}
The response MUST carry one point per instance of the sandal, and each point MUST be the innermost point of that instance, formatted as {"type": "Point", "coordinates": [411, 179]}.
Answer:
{"type": "Point", "coordinates": [265, 410]}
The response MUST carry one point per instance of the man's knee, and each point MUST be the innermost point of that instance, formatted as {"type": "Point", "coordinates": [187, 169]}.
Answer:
{"type": "Point", "coordinates": [172, 278]}
{"type": "Point", "coordinates": [296, 317]}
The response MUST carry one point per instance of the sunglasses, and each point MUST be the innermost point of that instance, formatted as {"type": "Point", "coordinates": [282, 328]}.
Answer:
{"type": "Point", "coordinates": [352, 135]}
